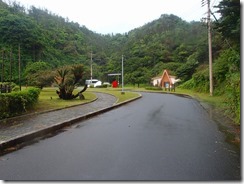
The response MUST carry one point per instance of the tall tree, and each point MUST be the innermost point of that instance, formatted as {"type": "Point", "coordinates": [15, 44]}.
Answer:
{"type": "Point", "coordinates": [229, 23]}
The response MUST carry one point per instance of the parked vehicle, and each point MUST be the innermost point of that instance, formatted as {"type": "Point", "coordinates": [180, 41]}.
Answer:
{"type": "Point", "coordinates": [93, 82]}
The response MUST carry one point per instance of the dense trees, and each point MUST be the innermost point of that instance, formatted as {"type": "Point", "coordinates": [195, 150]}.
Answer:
{"type": "Point", "coordinates": [165, 43]}
{"type": "Point", "coordinates": [44, 36]}
{"type": "Point", "coordinates": [38, 74]}
{"type": "Point", "coordinates": [229, 23]}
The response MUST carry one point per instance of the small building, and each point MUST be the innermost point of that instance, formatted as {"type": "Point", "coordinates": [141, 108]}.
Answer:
{"type": "Point", "coordinates": [156, 81]}
{"type": "Point", "coordinates": [165, 81]}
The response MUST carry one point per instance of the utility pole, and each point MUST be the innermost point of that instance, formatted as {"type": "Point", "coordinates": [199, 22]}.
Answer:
{"type": "Point", "coordinates": [210, 52]}
{"type": "Point", "coordinates": [91, 65]}
{"type": "Point", "coordinates": [19, 69]}
{"type": "Point", "coordinates": [2, 76]}
{"type": "Point", "coordinates": [209, 47]}
{"type": "Point", "coordinates": [10, 60]}
{"type": "Point", "coordinates": [122, 92]}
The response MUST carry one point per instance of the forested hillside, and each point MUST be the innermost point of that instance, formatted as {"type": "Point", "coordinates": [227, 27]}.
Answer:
{"type": "Point", "coordinates": [44, 36]}
{"type": "Point", "coordinates": [165, 43]}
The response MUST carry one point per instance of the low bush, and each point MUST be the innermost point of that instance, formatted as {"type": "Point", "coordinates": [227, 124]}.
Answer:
{"type": "Point", "coordinates": [233, 96]}
{"type": "Point", "coordinates": [153, 88]}
{"type": "Point", "coordinates": [103, 86]}
{"type": "Point", "coordinates": [17, 102]}
{"type": "Point", "coordinates": [199, 81]}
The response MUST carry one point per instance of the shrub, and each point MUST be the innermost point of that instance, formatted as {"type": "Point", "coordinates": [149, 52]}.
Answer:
{"type": "Point", "coordinates": [17, 102]}
{"type": "Point", "coordinates": [190, 84]}
{"type": "Point", "coordinates": [154, 88]}
{"type": "Point", "coordinates": [199, 81]}
{"type": "Point", "coordinates": [103, 86]}
{"type": "Point", "coordinates": [233, 96]}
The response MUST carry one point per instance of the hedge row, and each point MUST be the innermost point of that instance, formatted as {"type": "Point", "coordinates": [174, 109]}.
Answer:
{"type": "Point", "coordinates": [17, 102]}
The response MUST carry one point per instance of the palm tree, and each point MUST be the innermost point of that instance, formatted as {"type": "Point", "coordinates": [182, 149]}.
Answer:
{"type": "Point", "coordinates": [67, 79]}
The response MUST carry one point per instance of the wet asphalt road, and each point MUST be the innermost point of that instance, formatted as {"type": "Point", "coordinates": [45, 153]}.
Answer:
{"type": "Point", "coordinates": [158, 137]}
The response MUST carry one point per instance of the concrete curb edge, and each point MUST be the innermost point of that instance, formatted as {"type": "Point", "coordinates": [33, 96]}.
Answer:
{"type": "Point", "coordinates": [32, 135]}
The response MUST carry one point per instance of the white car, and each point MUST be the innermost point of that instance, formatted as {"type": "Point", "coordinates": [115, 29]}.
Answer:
{"type": "Point", "coordinates": [93, 82]}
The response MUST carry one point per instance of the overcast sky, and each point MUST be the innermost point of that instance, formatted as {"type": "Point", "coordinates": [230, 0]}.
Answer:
{"type": "Point", "coordinates": [120, 16]}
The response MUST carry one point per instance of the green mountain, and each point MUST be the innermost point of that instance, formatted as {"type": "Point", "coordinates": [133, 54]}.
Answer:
{"type": "Point", "coordinates": [166, 43]}
{"type": "Point", "coordinates": [43, 36]}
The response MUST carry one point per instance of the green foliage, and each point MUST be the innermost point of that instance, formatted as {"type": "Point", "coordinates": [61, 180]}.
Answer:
{"type": "Point", "coordinates": [199, 81]}
{"type": "Point", "coordinates": [140, 76]}
{"type": "Point", "coordinates": [102, 86]}
{"type": "Point", "coordinates": [165, 43]}
{"type": "Point", "coordinates": [229, 23]}
{"type": "Point", "coordinates": [67, 78]}
{"type": "Point", "coordinates": [12, 85]}
{"type": "Point", "coordinates": [38, 74]}
{"type": "Point", "coordinates": [233, 95]}
{"type": "Point", "coordinates": [190, 84]}
{"type": "Point", "coordinates": [186, 71]}
{"type": "Point", "coordinates": [56, 41]}
{"type": "Point", "coordinates": [17, 102]}
{"type": "Point", "coordinates": [227, 63]}
{"type": "Point", "coordinates": [154, 88]}
{"type": "Point", "coordinates": [226, 74]}
{"type": "Point", "coordinates": [160, 67]}
{"type": "Point", "coordinates": [33, 68]}
{"type": "Point", "coordinates": [228, 79]}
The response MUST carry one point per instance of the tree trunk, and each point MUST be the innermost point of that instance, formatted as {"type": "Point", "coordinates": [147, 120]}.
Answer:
{"type": "Point", "coordinates": [83, 90]}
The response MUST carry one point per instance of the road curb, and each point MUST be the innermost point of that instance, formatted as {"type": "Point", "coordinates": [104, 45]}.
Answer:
{"type": "Point", "coordinates": [17, 141]}
{"type": "Point", "coordinates": [46, 111]}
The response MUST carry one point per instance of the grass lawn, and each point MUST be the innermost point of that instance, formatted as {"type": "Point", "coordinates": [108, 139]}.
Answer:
{"type": "Point", "coordinates": [217, 101]}
{"type": "Point", "coordinates": [49, 100]}
{"type": "Point", "coordinates": [117, 93]}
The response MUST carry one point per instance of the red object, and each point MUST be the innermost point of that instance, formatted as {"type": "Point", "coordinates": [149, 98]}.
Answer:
{"type": "Point", "coordinates": [115, 84]}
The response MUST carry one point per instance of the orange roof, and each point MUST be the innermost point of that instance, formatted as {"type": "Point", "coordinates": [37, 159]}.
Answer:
{"type": "Point", "coordinates": [166, 74]}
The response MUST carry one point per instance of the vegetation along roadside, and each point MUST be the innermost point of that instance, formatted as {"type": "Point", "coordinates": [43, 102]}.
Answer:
{"type": "Point", "coordinates": [50, 49]}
